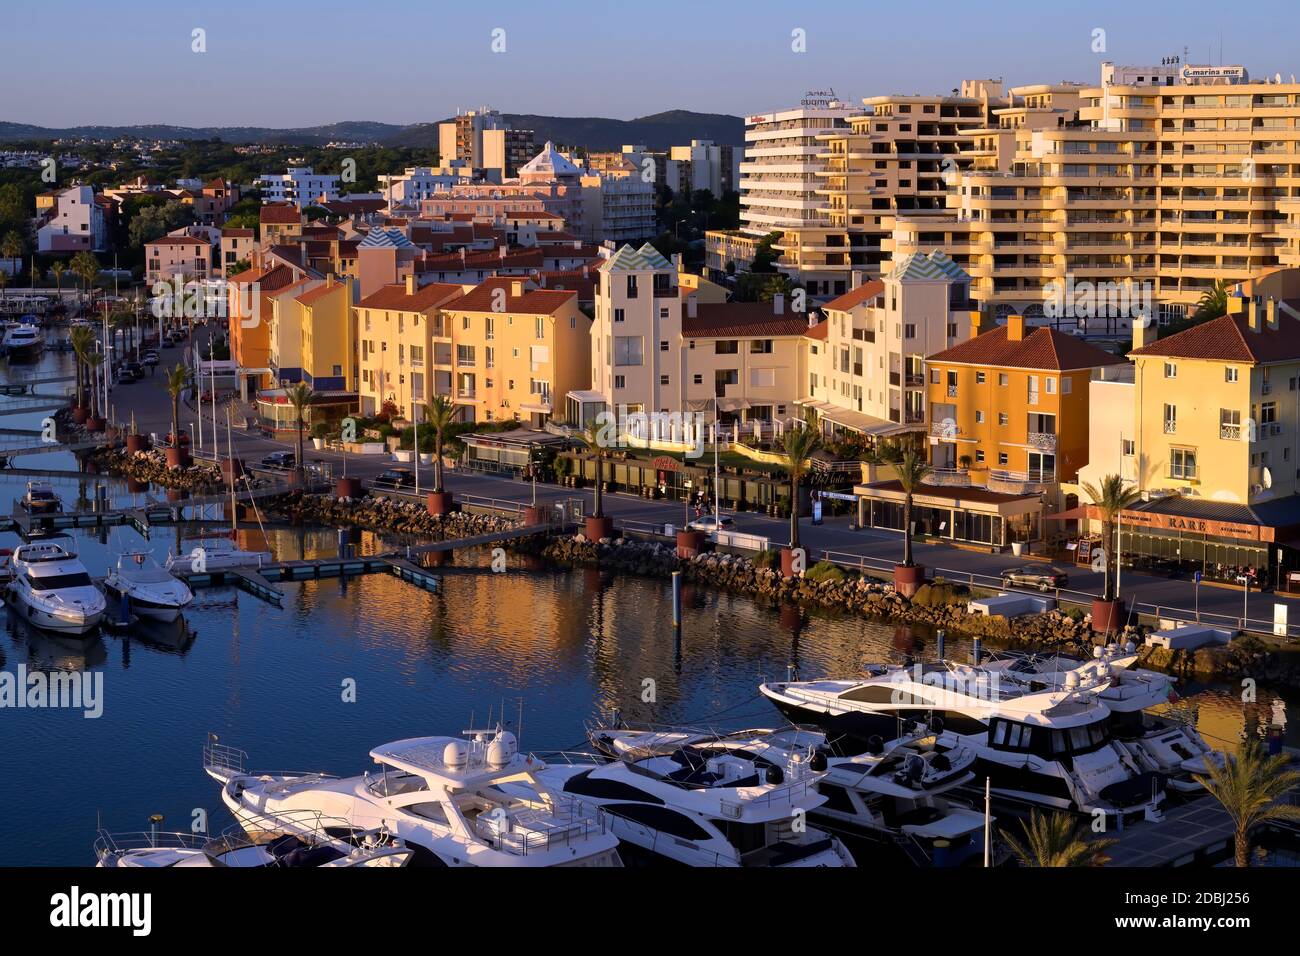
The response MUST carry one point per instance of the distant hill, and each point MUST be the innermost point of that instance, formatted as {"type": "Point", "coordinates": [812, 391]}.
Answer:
{"type": "Point", "coordinates": [671, 128]}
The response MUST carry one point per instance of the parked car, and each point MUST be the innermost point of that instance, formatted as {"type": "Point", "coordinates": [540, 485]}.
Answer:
{"type": "Point", "coordinates": [712, 523]}
{"type": "Point", "coordinates": [395, 478]}
{"type": "Point", "coordinates": [1045, 577]}
{"type": "Point", "coordinates": [129, 372]}
{"type": "Point", "coordinates": [184, 439]}
{"type": "Point", "coordinates": [149, 358]}
{"type": "Point", "coordinates": [280, 460]}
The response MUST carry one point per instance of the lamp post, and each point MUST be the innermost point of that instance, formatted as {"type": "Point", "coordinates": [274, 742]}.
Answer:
{"type": "Point", "coordinates": [1244, 580]}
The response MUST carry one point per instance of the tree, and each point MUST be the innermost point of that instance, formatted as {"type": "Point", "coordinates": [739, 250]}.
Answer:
{"type": "Point", "coordinates": [439, 415]}
{"type": "Point", "coordinates": [57, 270]}
{"type": "Point", "coordinates": [1111, 497]}
{"type": "Point", "coordinates": [1252, 787]}
{"type": "Point", "coordinates": [798, 445]}
{"type": "Point", "coordinates": [177, 379]}
{"type": "Point", "coordinates": [153, 222]}
{"type": "Point", "coordinates": [83, 342]}
{"type": "Point", "coordinates": [85, 267]}
{"type": "Point", "coordinates": [93, 361]}
{"type": "Point", "coordinates": [300, 397]}
{"type": "Point", "coordinates": [12, 245]}
{"type": "Point", "coordinates": [1213, 302]}
{"type": "Point", "coordinates": [591, 434]}
{"type": "Point", "coordinates": [1055, 840]}
{"type": "Point", "coordinates": [912, 470]}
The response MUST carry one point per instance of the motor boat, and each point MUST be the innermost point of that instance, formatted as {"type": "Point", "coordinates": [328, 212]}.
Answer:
{"type": "Point", "coordinates": [149, 590]}
{"type": "Point", "coordinates": [443, 796]}
{"type": "Point", "coordinates": [705, 806]}
{"type": "Point", "coordinates": [1053, 749]}
{"type": "Point", "coordinates": [895, 793]}
{"type": "Point", "coordinates": [40, 499]}
{"type": "Point", "coordinates": [22, 341]}
{"type": "Point", "coordinates": [307, 843]}
{"type": "Point", "coordinates": [216, 554]}
{"type": "Point", "coordinates": [1166, 742]}
{"type": "Point", "coordinates": [52, 590]}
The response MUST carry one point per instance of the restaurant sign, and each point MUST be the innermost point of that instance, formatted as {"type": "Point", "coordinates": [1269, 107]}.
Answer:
{"type": "Point", "coordinates": [1189, 525]}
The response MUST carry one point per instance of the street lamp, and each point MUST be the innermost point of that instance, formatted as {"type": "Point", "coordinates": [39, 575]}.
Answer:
{"type": "Point", "coordinates": [1244, 581]}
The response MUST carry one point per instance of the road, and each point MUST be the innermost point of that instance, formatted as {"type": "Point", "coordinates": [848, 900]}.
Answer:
{"type": "Point", "coordinates": [1220, 605]}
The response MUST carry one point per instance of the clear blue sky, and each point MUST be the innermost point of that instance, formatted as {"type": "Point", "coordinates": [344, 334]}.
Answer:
{"type": "Point", "coordinates": [292, 63]}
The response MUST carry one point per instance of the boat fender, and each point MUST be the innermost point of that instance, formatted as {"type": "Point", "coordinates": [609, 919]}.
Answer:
{"type": "Point", "coordinates": [936, 724]}
{"type": "Point", "coordinates": [818, 761]}
{"type": "Point", "coordinates": [774, 775]}
{"type": "Point", "coordinates": [875, 745]}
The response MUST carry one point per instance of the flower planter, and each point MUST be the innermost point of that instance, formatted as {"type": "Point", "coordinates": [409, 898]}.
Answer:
{"type": "Point", "coordinates": [347, 488]}
{"type": "Point", "coordinates": [908, 580]}
{"type": "Point", "coordinates": [403, 454]}
{"type": "Point", "coordinates": [79, 414]}
{"type": "Point", "coordinates": [689, 544]}
{"type": "Point", "coordinates": [598, 528]}
{"type": "Point", "coordinates": [1107, 616]}
{"type": "Point", "coordinates": [318, 443]}
{"type": "Point", "coordinates": [135, 443]}
{"type": "Point", "coordinates": [232, 469]}
{"type": "Point", "coordinates": [426, 458]}
{"type": "Point", "coordinates": [94, 424]}
{"type": "Point", "coordinates": [534, 515]}
{"type": "Point", "coordinates": [787, 563]}
{"type": "Point", "coordinates": [178, 458]}
{"type": "Point", "coordinates": [438, 503]}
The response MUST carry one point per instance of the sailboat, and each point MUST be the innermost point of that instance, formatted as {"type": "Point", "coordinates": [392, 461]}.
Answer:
{"type": "Point", "coordinates": [220, 553]}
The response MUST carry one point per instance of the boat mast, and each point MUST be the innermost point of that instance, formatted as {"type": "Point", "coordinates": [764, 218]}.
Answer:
{"type": "Point", "coordinates": [230, 455]}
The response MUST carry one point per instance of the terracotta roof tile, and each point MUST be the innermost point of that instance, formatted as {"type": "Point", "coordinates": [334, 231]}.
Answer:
{"type": "Point", "coordinates": [482, 298]}
{"type": "Point", "coordinates": [277, 215]}
{"type": "Point", "coordinates": [863, 293]}
{"type": "Point", "coordinates": [426, 297]}
{"type": "Point", "coordinates": [312, 296]}
{"type": "Point", "coordinates": [1229, 339]}
{"type": "Point", "coordinates": [741, 320]}
{"type": "Point", "coordinates": [1043, 348]}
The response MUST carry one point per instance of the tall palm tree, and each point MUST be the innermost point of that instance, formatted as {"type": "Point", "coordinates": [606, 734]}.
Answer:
{"type": "Point", "coordinates": [799, 443]}
{"type": "Point", "coordinates": [93, 361]}
{"type": "Point", "coordinates": [1252, 786]}
{"type": "Point", "coordinates": [591, 435]}
{"type": "Point", "coordinates": [1055, 840]}
{"type": "Point", "coordinates": [83, 342]}
{"type": "Point", "coordinates": [1213, 302]}
{"type": "Point", "coordinates": [177, 379]}
{"type": "Point", "coordinates": [300, 396]}
{"type": "Point", "coordinates": [11, 247]}
{"type": "Point", "coordinates": [912, 470]}
{"type": "Point", "coordinates": [57, 270]}
{"type": "Point", "coordinates": [1111, 497]}
{"type": "Point", "coordinates": [439, 414]}
{"type": "Point", "coordinates": [85, 267]}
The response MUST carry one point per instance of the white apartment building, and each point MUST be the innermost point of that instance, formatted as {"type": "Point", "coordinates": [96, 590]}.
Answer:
{"type": "Point", "coordinates": [415, 184]}
{"type": "Point", "coordinates": [76, 223]}
{"type": "Point", "coordinates": [300, 185]}
{"type": "Point", "coordinates": [779, 177]}
{"type": "Point", "coordinates": [703, 165]}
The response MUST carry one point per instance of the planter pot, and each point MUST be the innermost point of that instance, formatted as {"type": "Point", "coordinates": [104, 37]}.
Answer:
{"type": "Point", "coordinates": [347, 488]}
{"type": "Point", "coordinates": [79, 414]}
{"type": "Point", "coordinates": [318, 443]}
{"type": "Point", "coordinates": [598, 528]}
{"type": "Point", "coordinates": [232, 468]}
{"type": "Point", "coordinates": [1107, 616]}
{"type": "Point", "coordinates": [907, 581]}
{"type": "Point", "coordinates": [1017, 548]}
{"type": "Point", "coordinates": [403, 454]}
{"type": "Point", "coordinates": [787, 563]}
{"type": "Point", "coordinates": [438, 503]}
{"type": "Point", "coordinates": [94, 424]}
{"type": "Point", "coordinates": [689, 543]}
{"type": "Point", "coordinates": [178, 458]}
{"type": "Point", "coordinates": [135, 486]}
{"type": "Point", "coordinates": [135, 443]}
{"type": "Point", "coordinates": [534, 515]}
{"type": "Point", "coordinates": [426, 458]}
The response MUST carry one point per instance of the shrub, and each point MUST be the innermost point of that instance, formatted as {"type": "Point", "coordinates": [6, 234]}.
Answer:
{"type": "Point", "coordinates": [1075, 614]}
{"type": "Point", "coordinates": [765, 559]}
{"type": "Point", "coordinates": [824, 571]}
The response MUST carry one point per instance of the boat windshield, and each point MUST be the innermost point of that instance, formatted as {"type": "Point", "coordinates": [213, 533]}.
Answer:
{"type": "Point", "coordinates": [53, 582]}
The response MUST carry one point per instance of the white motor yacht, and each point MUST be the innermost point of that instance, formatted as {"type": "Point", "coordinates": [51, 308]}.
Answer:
{"type": "Point", "coordinates": [705, 807]}
{"type": "Point", "coordinates": [291, 842]}
{"type": "Point", "coordinates": [898, 792]}
{"type": "Point", "coordinates": [216, 554]}
{"type": "Point", "coordinates": [443, 796]}
{"type": "Point", "coordinates": [1053, 749]}
{"type": "Point", "coordinates": [149, 590]}
{"type": "Point", "coordinates": [23, 341]}
{"type": "Point", "coordinates": [52, 590]}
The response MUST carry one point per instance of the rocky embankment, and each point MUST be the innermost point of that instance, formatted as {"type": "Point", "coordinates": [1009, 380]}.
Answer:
{"type": "Point", "coordinates": [383, 514]}
{"type": "Point", "coordinates": [201, 477]}
{"type": "Point", "coordinates": [939, 604]}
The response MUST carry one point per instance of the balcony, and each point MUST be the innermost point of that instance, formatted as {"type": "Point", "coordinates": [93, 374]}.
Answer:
{"type": "Point", "coordinates": [952, 391]}
{"type": "Point", "coordinates": [466, 393]}
{"type": "Point", "coordinates": [1043, 441]}
{"type": "Point", "coordinates": [1019, 482]}
{"type": "Point", "coordinates": [945, 429]}
{"type": "Point", "coordinates": [948, 477]}
{"type": "Point", "coordinates": [1171, 428]}
{"type": "Point", "coordinates": [1230, 432]}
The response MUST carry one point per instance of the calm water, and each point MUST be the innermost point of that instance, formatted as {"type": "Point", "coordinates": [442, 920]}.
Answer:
{"type": "Point", "coordinates": [560, 648]}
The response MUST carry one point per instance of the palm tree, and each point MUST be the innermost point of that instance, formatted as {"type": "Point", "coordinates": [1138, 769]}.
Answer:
{"type": "Point", "coordinates": [300, 396]}
{"type": "Point", "coordinates": [1213, 302]}
{"type": "Point", "coordinates": [177, 379]}
{"type": "Point", "coordinates": [11, 247]}
{"type": "Point", "coordinates": [798, 445]}
{"type": "Point", "coordinates": [912, 470]}
{"type": "Point", "coordinates": [439, 414]}
{"type": "Point", "coordinates": [1111, 498]}
{"type": "Point", "coordinates": [57, 270]}
{"type": "Point", "coordinates": [1055, 840]}
{"type": "Point", "coordinates": [1252, 787]}
{"type": "Point", "coordinates": [591, 435]}
{"type": "Point", "coordinates": [93, 361]}
{"type": "Point", "coordinates": [83, 341]}
{"type": "Point", "coordinates": [86, 268]}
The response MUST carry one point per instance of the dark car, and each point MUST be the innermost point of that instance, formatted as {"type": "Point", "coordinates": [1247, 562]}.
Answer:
{"type": "Point", "coordinates": [130, 372]}
{"type": "Point", "coordinates": [1044, 577]}
{"type": "Point", "coordinates": [395, 478]}
{"type": "Point", "coordinates": [149, 358]}
{"type": "Point", "coordinates": [184, 439]}
{"type": "Point", "coordinates": [280, 460]}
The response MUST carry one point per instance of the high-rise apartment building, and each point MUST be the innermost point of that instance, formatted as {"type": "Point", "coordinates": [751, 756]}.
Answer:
{"type": "Point", "coordinates": [484, 140]}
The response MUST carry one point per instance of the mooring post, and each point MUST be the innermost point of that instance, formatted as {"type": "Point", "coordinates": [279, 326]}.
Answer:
{"type": "Point", "coordinates": [677, 599]}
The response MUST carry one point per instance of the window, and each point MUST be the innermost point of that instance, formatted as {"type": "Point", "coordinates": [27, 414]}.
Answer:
{"type": "Point", "coordinates": [1004, 378]}
{"type": "Point", "coordinates": [1051, 385]}
{"type": "Point", "coordinates": [698, 379]}
{"type": "Point", "coordinates": [1066, 385]}
{"type": "Point", "coordinates": [760, 347]}
{"type": "Point", "coordinates": [491, 331]}
{"type": "Point", "coordinates": [618, 315]}
{"type": "Point", "coordinates": [1171, 370]}
{"type": "Point", "coordinates": [663, 379]}
{"type": "Point", "coordinates": [979, 417]}
{"type": "Point", "coordinates": [1182, 463]}
{"type": "Point", "coordinates": [1229, 374]}
{"type": "Point", "coordinates": [909, 330]}
{"type": "Point", "coordinates": [979, 454]}
{"type": "Point", "coordinates": [627, 350]}
{"type": "Point", "coordinates": [1230, 424]}
{"type": "Point", "coordinates": [619, 381]}
{"type": "Point", "coordinates": [1002, 458]}
{"type": "Point", "coordinates": [1002, 418]}
{"type": "Point", "coordinates": [1171, 419]}
{"type": "Point", "coordinates": [663, 346]}
{"type": "Point", "coordinates": [980, 378]}
{"type": "Point", "coordinates": [726, 347]}
{"type": "Point", "coordinates": [1127, 447]}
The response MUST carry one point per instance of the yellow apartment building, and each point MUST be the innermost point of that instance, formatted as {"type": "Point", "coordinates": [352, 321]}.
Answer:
{"type": "Point", "coordinates": [328, 344]}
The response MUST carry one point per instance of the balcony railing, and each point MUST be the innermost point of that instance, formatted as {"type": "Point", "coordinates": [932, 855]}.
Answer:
{"type": "Point", "coordinates": [952, 391]}
{"type": "Point", "coordinates": [948, 429]}
{"type": "Point", "coordinates": [948, 477]}
{"type": "Point", "coordinates": [1230, 432]}
{"type": "Point", "coordinates": [1044, 441]}
{"type": "Point", "coordinates": [1171, 427]}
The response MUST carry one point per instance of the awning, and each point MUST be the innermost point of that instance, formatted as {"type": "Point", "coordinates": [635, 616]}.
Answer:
{"type": "Point", "coordinates": [857, 421]}
{"type": "Point", "coordinates": [1081, 513]}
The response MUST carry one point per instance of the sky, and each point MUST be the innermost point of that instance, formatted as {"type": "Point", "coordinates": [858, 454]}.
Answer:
{"type": "Point", "coordinates": [291, 63]}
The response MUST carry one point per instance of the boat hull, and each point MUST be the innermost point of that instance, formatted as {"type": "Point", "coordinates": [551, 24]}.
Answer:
{"type": "Point", "coordinates": [66, 622]}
